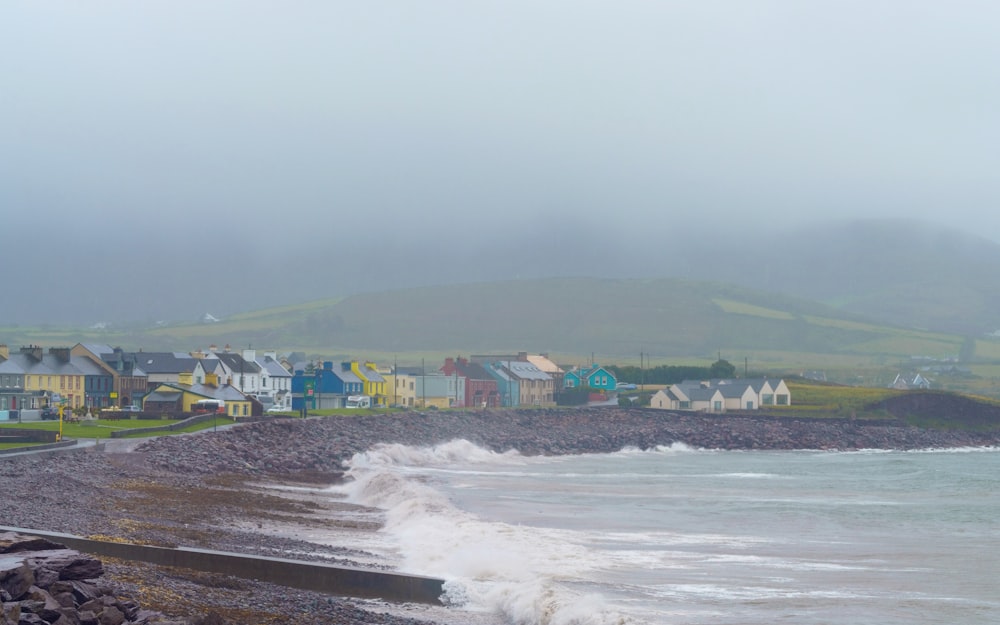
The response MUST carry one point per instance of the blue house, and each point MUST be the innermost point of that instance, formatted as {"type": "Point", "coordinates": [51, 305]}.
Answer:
{"type": "Point", "coordinates": [594, 376]}
{"type": "Point", "coordinates": [507, 385]}
{"type": "Point", "coordinates": [326, 387]}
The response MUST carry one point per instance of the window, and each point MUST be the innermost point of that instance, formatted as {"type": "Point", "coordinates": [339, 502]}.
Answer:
{"type": "Point", "coordinates": [767, 399]}
{"type": "Point", "coordinates": [685, 404]}
{"type": "Point", "coordinates": [782, 400]}
{"type": "Point", "coordinates": [717, 406]}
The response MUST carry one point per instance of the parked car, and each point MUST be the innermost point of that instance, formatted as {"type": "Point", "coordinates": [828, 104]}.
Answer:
{"type": "Point", "coordinates": [50, 412]}
{"type": "Point", "coordinates": [131, 408]}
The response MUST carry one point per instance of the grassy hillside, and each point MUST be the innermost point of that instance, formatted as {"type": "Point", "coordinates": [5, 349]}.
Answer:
{"type": "Point", "coordinates": [896, 272]}
{"type": "Point", "coordinates": [572, 316]}
{"type": "Point", "coordinates": [613, 321]}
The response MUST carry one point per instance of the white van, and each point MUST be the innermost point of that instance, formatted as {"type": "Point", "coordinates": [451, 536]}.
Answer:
{"type": "Point", "coordinates": [359, 401]}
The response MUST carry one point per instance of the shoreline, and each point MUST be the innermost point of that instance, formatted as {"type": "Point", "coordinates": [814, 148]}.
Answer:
{"type": "Point", "coordinates": [256, 489]}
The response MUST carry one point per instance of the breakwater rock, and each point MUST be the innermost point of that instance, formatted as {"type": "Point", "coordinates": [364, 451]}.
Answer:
{"type": "Point", "coordinates": [321, 445]}
{"type": "Point", "coordinates": [42, 582]}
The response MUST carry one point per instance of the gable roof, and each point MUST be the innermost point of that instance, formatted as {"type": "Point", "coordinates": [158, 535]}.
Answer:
{"type": "Point", "coordinates": [525, 370]}
{"type": "Point", "coordinates": [224, 392]}
{"type": "Point", "coordinates": [474, 371]}
{"type": "Point", "coordinates": [273, 368]}
{"type": "Point", "coordinates": [544, 364]}
{"type": "Point", "coordinates": [236, 363]}
{"type": "Point", "coordinates": [165, 362]}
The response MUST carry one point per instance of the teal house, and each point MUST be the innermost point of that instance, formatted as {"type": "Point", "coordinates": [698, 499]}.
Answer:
{"type": "Point", "coordinates": [594, 376]}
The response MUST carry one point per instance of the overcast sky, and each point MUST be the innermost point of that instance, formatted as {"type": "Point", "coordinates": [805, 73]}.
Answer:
{"type": "Point", "coordinates": [306, 126]}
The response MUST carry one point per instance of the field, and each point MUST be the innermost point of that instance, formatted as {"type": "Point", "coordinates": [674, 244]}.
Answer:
{"type": "Point", "coordinates": [102, 428]}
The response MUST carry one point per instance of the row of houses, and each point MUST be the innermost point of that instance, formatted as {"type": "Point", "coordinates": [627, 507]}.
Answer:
{"type": "Point", "coordinates": [96, 376]}
{"type": "Point", "coordinates": [480, 381]}
{"type": "Point", "coordinates": [720, 395]}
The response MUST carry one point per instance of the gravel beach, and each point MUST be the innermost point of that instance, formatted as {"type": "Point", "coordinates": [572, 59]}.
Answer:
{"type": "Point", "coordinates": [251, 489]}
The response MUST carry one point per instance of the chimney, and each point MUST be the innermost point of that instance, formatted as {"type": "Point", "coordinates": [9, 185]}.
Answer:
{"type": "Point", "coordinates": [213, 348]}
{"type": "Point", "coordinates": [522, 356]}
{"type": "Point", "coordinates": [60, 353]}
{"type": "Point", "coordinates": [4, 352]}
{"type": "Point", "coordinates": [250, 355]}
{"type": "Point", "coordinates": [226, 348]}
{"type": "Point", "coordinates": [32, 351]}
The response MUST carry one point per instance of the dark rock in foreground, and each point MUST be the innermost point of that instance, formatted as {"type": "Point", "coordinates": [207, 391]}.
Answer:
{"type": "Point", "coordinates": [44, 582]}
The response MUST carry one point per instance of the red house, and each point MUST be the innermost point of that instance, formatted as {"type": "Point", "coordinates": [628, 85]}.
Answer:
{"type": "Point", "coordinates": [480, 387]}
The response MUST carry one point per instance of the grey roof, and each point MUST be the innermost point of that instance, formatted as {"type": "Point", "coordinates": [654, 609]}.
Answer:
{"type": "Point", "coordinates": [224, 392]}
{"type": "Point", "coordinates": [86, 366]}
{"type": "Point", "coordinates": [237, 363]}
{"type": "Point", "coordinates": [473, 371]}
{"type": "Point", "coordinates": [98, 349]}
{"type": "Point", "coordinates": [273, 368]}
{"type": "Point", "coordinates": [48, 365]}
{"type": "Point", "coordinates": [702, 394]}
{"type": "Point", "coordinates": [163, 395]}
{"type": "Point", "coordinates": [371, 374]}
{"type": "Point", "coordinates": [526, 370]}
{"type": "Point", "coordinates": [11, 366]}
{"type": "Point", "coordinates": [165, 362]}
{"type": "Point", "coordinates": [498, 371]}
{"type": "Point", "coordinates": [410, 370]}
{"type": "Point", "coordinates": [346, 375]}
{"type": "Point", "coordinates": [734, 390]}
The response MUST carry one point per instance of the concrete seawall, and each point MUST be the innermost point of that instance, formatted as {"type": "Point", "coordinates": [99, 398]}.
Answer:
{"type": "Point", "coordinates": [325, 578]}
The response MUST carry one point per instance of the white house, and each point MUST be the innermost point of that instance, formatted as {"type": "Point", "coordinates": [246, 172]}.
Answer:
{"type": "Point", "coordinates": [723, 395]}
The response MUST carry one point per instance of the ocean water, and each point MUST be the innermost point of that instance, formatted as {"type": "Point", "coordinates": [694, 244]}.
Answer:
{"type": "Point", "coordinates": [679, 535]}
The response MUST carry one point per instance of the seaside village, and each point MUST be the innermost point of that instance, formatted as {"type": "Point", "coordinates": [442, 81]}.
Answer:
{"type": "Point", "coordinates": [86, 379]}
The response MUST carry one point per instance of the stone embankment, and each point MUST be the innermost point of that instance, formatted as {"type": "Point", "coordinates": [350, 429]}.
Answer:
{"type": "Point", "coordinates": [44, 582]}
{"type": "Point", "coordinates": [322, 445]}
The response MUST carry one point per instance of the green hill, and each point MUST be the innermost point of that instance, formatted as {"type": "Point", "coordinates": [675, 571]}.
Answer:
{"type": "Point", "coordinates": [565, 315]}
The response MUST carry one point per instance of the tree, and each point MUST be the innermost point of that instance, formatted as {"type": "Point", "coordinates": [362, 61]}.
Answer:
{"type": "Point", "coordinates": [722, 368]}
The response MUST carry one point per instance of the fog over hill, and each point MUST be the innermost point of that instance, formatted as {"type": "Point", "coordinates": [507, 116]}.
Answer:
{"type": "Point", "coordinates": [901, 273]}
{"type": "Point", "coordinates": [163, 160]}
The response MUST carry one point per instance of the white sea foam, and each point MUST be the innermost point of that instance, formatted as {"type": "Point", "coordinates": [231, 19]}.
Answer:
{"type": "Point", "coordinates": [687, 535]}
{"type": "Point", "coordinates": [673, 448]}
{"type": "Point", "coordinates": [520, 571]}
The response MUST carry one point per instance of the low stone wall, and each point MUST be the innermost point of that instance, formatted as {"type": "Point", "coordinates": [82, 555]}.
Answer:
{"type": "Point", "coordinates": [173, 427]}
{"type": "Point", "coordinates": [30, 436]}
{"type": "Point", "coordinates": [325, 578]}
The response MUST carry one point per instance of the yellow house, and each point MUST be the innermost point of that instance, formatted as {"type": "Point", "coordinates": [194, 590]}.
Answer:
{"type": "Point", "coordinates": [401, 389]}
{"type": "Point", "coordinates": [53, 374]}
{"type": "Point", "coordinates": [184, 395]}
{"type": "Point", "coordinates": [373, 381]}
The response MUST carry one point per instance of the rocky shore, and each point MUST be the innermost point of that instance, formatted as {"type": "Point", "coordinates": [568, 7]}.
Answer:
{"type": "Point", "coordinates": [205, 490]}
{"type": "Point", "coordinates": [321, 446]}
